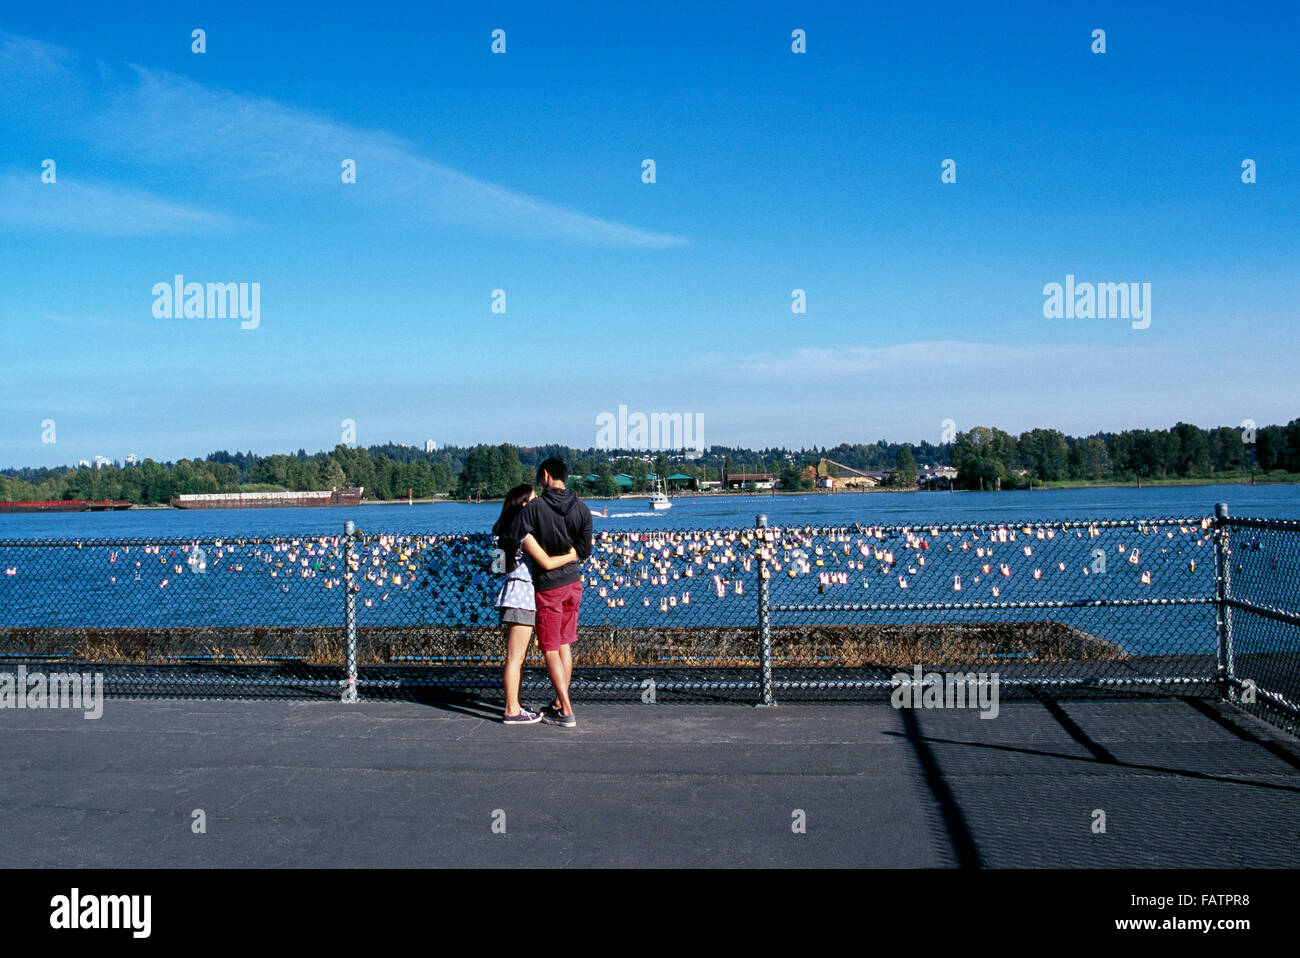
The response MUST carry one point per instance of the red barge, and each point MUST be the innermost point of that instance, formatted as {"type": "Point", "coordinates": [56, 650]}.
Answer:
{"type": "Point", "coordinates": [269, 500]}
{"type": "Point", "coordinates": [66, 505]}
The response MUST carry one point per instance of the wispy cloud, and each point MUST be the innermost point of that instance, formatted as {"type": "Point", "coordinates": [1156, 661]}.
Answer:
{"type": "Point", "coordinates": [161, 120]}
{"type": "Point", "coordinates": [917, 359]}
{"type": "Point", "coordinates": [98, 208]}
{"type": "Point", "coordinates": [34, 59]}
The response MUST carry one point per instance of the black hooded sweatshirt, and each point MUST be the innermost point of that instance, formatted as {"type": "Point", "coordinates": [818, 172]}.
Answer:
{"type": "Point", "coordinates": [559, 521]}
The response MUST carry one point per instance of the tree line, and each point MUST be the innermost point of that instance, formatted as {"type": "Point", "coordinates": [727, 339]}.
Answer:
{"type": "Point", "coordinates": [990, 458]}
{"type": "Point", "coordinates": [985, 457]}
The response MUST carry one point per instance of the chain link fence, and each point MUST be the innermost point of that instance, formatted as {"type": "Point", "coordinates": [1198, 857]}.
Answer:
{"type": "Point", "coordinates": [1085, 606]}
{"type": "Point", "coordinates": [1260, 616]}
{"type": "Point", "coordinates": [1198, 606]}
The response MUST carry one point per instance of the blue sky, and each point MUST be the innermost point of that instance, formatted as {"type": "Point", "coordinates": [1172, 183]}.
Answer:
{"type": "Point", "coordinates": [522, 172]}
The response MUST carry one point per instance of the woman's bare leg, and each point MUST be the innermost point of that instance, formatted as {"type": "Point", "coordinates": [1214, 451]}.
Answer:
{"type": "Point", "coordinates": [517, 639]}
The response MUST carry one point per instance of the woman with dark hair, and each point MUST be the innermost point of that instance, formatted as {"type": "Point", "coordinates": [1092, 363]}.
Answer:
{"type": "Point", "coordinates": [515, 600]}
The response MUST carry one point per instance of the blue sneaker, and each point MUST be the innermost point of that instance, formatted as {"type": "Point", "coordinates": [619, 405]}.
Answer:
{"type": "Point", "coordinates": [552, 717]}
{"type": "Point", "coordinates": [524, 717]}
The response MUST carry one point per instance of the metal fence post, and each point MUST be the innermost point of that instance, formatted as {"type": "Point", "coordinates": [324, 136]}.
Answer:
{"type": "Point", "coordinates": [764, 619]}
{"type": "Point", "coordinates": [1223, 591]}
{"type": "Point", "coordinates": [350, 612]}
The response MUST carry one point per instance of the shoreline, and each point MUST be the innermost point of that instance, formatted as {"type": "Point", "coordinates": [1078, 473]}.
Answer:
{"type": "Point", "coordinates": [1062, 485]}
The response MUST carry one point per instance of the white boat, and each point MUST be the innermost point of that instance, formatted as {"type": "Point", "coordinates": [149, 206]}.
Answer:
{"type": "Point", "coordinates": [658, 501]}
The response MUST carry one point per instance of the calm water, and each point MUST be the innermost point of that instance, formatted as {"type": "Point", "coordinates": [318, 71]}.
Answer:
{"type": "Point", "coordinates": [881, 508]}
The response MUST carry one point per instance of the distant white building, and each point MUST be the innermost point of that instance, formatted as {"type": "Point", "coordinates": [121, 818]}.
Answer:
{"type": "Point", "coordinates": [83, 463]}
{"type": "Point", "coordinates": [430, 446]}
{"type": "Point", "coordinates": [938, 472]}
{"type": "Point", "coordinates": [132, 459]}
{"type": "Point", "coordinates": [102, 461]}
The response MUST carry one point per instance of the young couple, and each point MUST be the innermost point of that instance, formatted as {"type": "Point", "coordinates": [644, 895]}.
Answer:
{"type": "Point", "coordinates": [544, 538]}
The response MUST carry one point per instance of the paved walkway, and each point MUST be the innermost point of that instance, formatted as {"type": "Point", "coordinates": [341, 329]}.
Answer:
{"type": "Point", "coordinates": [1181, 783]}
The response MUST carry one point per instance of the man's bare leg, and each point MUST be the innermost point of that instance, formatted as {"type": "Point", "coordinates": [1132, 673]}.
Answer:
{"type": "Point", "coordinates": [555, 668]}
{"type": "Point", "coordinates": [517, 639]}
{"type": "Point", "coordinates": [566, 656]}
{"type": "Point", "coordinates": [566, 659]}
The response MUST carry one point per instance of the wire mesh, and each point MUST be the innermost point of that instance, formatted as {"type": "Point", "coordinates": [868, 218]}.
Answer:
{"type": "Point", "coordinates": [1107, 606]}
{"type": "Point", "coordinates": [1074, 605]}
{"type": "Point", "coordinates": [1263, 651]}
{"type": "Point", "coordinates": [248, 617]}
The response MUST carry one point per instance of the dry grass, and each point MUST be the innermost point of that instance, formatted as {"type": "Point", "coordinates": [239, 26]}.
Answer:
{"type": "Point", "coordinates": [839, 645]}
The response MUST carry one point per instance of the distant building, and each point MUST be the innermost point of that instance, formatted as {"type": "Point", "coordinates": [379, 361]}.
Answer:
{"type": "Point", "coordinates": [101, 462]}
{"type": "Point", "coordinates": [751, 480]}
{"type": "Point", "coordinates": [846, 477]}
{"type": "Point", "coordinates": [132, 459]}
{"type": "Point", "coordinates": [937, 477]}
{"type": "Point", "coordinates": [430, 446]}
{"type": "Point", "coordinates": [83, 463]}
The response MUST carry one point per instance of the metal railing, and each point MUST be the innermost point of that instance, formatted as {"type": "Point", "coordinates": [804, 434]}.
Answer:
{"type": "Point", "coordinates": [1201, 606]}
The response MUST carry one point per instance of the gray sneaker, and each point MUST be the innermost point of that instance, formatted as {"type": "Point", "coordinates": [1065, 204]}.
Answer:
{"type": "Point", "coordinates": [551, 717]}
{"type": "Point", "coordinates": [524, 717]}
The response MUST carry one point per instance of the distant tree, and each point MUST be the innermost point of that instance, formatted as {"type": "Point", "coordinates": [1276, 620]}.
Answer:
{"type": "Point", "coordinates": [1271, 448]}
{"type": "Point", "coordinates": [605, 484]}
{"type": "Point", "coordinates": [1189, 450]}
{"type": "Point", "coordinates": [1229, 450]}
{"type": "Point", "coordinates": [1292, 456]}
{"type": "Point", "coordinates": [982, 472]}
{"type": "Point", "coordinates": [476, 477]}
{"type": "Point", "coordinates": [638, 471]}
{"type": "Point", "coordinates": [332, 475]}
{"type": "Point", "coordinates": [306, 475]}
{"type": "Point", "coordinates": [791, 481]}
{"type": "Point", "coordinates": [442, 481]}
{"type": "Point", "coordinates": [1045, 453]}
{"type": "Point", "coordinates": [1089, 459]}
{"type": "Point", "coordinates": [905, 472]}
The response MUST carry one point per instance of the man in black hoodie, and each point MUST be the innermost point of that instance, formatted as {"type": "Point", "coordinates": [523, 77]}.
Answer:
{"type": "Point", "coordinates": [559, 521]}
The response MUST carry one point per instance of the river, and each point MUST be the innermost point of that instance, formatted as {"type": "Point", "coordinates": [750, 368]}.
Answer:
{"type": "Point", "coordinates": [699, 512]}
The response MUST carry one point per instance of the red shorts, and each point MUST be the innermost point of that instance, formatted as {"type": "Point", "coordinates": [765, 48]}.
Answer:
{"type": "Point", "coordinates": [557, 616]}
